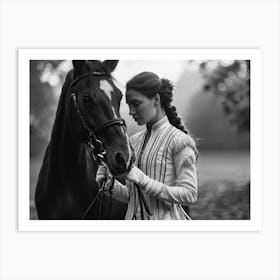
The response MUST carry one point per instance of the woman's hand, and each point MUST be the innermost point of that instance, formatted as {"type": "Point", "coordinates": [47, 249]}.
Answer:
{"type": "Point", "coordinates": [146, 183]}
{"type": "Point", "coordinates": [104, 175]}
{"type": "Point", "coordinates": [101, 175]}
{"type": "Point", "coordinates": [136, 176]}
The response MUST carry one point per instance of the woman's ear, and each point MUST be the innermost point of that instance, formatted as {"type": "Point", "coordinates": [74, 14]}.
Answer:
{"type": "Point", "coordinates": [157, 99]}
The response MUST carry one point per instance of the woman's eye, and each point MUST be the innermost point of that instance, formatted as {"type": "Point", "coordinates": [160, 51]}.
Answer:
{"type": "Point", "coordinates": [136, 104]}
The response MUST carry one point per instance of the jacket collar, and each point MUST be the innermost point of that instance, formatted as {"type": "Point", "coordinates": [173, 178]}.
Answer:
{"type": "Point", "coordinates": [160, 123]}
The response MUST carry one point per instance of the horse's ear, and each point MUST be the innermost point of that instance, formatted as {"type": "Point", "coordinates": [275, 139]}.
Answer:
{"type": "Point", "coordinates": [110, 65]}
{"type": "Point", "coordinates": [78, 63]}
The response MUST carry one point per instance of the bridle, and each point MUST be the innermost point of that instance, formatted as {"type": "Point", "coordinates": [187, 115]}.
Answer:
{"type": "Point", "coordinates": [95, 145]}
{"type": "Point", "coordinates": [98, 152]}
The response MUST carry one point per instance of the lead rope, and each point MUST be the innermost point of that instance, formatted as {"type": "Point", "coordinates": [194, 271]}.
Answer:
{"type": "Point", "coordinates": [140, 202]}
{"type": "Point", "coordinates": [97, 197]}
{"type": "Point", "coordinates": [111, 196]}
{"type": "Point", "coordinates": [97, 154]}
{"type": "Point", "coordinates": [100, 198]}
{"type": "Point", "coordinates": [143, 203]}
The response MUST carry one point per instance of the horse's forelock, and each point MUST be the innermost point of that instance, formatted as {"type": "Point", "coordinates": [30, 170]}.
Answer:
{"type": "Point", "coordinates": [97, 66]}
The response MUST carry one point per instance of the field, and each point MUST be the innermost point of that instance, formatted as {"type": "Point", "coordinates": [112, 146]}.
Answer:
{"type": "Point", "coordinates": [224, 186]}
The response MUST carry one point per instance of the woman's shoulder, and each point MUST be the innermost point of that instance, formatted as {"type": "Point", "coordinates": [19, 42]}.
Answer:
{"type": "Point", "coordinates": [182, 140]}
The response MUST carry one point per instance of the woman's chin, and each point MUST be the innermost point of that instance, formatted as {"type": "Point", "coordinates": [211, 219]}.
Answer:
{"type": "Point", "coordinates": [140, 122]}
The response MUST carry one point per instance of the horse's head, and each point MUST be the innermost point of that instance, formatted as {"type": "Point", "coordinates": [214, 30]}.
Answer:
{"type": "Point", "coordinates": [94, 117]}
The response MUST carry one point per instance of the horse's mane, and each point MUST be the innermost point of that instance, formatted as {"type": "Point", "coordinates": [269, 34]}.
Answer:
{"type": "Point", "coordinates": [50, 157]}
{"type": "Point", "coordinates": [58, 131]}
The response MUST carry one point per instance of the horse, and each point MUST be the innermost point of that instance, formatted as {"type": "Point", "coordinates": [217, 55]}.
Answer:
{"type": "Point", "coordinates": [87, 130]}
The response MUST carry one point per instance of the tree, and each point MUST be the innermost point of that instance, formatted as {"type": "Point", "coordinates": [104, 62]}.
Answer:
{"type": "Point", "coordinates": [42, 102]}
{"type": "Point", "coordinates": [230, 80]}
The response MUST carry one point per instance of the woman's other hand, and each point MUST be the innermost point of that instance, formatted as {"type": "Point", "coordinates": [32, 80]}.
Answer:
{"type": "Point", "coordinates": [101, 175]}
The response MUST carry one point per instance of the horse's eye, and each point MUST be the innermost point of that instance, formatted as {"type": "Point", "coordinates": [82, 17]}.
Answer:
{"type": "Point", "coordinates": [86, 98]}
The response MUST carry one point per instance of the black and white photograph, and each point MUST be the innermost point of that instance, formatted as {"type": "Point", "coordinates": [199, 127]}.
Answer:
{"type": "Point", "coordinates": [78, 138]}
{"type": "Point", "coordinates": [141, 139]}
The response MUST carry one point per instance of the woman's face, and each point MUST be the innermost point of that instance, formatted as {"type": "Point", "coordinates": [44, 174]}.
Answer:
{"type": "Point", "coordinates": [141, 108]}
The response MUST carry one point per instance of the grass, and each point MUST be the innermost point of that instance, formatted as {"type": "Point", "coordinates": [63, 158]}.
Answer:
{"type": "Point", "coordinates": [223, 189]}
{"type": "Point", "coordinates": [218, 200]}
{"type": "Point", "coordinates": [222, 200]}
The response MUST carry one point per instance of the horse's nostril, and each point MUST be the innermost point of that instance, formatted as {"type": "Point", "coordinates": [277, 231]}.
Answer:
{"type": "Point", "coordinates": [120, 160]}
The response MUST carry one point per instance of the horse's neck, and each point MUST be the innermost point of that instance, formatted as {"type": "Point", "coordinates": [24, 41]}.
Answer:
{"type": "Point", "coordinates": [72, 157]}
{"type": "Point", "coordinates": [66, 183]}
{"type": "Point", "coordinates": [72, 160]}
{"type": "Point", "coordinates": [69, 152]}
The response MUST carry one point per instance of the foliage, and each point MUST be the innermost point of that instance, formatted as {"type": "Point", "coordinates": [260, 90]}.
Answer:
{"type": "Point", "coordinates": [230, 80]}
{"type": "Point", "coordinates": [44, 75]}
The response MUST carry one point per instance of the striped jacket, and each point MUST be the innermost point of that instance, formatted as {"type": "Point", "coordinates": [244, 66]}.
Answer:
{"type": "Point", "coordinates": [169, 160]}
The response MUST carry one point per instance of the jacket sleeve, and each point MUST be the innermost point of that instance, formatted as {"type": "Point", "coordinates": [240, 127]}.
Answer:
{"type": "Point", "coordinates": [184, 192]}
{"type": "Point", "coordinates": [120, 192]}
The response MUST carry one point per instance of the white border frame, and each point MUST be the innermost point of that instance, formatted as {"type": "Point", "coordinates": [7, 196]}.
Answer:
{"type": "Point", "coordinates": [25, 55]}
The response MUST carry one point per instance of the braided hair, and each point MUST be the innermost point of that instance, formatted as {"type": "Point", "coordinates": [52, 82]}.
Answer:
{"type": "Point", "coordinates": [149, 84]}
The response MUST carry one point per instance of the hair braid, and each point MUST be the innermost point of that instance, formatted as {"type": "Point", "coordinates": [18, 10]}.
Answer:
{"type": "Point", "coordinates": [174, 119]}
{"type": "Point", "coordinates": [166, 98]}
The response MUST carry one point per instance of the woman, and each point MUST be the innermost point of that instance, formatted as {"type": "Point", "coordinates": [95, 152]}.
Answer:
{"type": "Point", "coordinates": [165, 166]}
